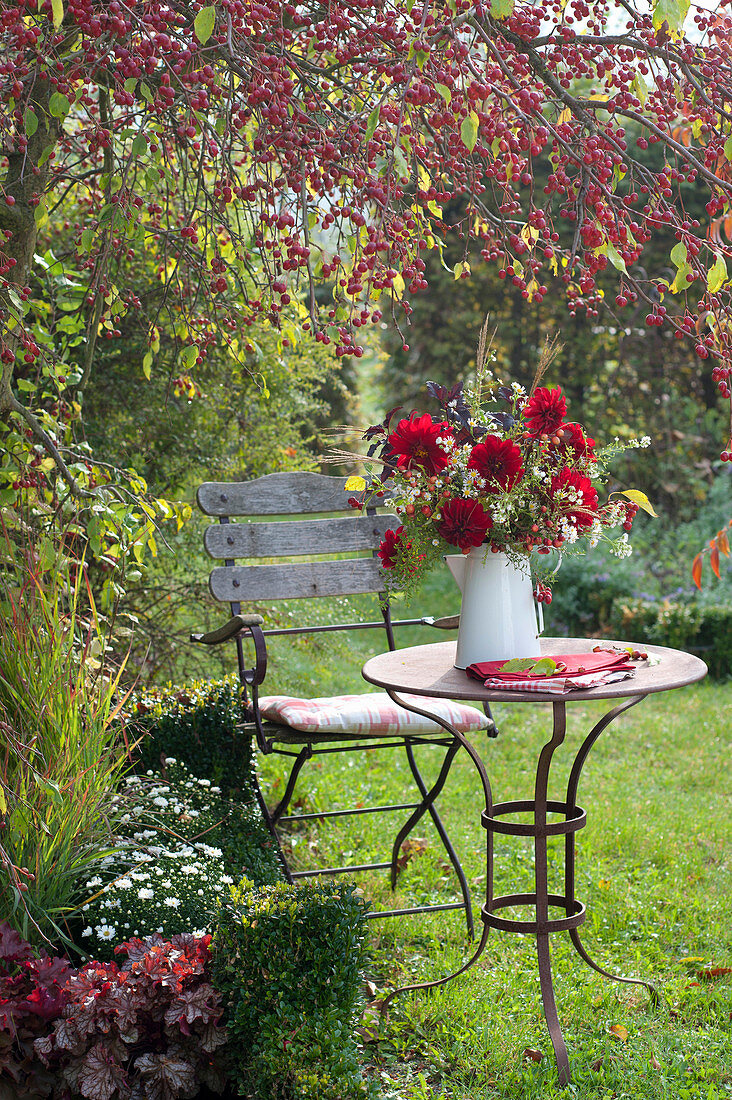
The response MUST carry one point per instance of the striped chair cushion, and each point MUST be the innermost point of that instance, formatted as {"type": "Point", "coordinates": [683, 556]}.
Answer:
{"type": "Point", "coordinates": [368, 715]}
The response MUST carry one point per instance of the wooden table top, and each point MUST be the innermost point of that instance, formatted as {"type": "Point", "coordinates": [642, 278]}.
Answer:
{"type": "Point", "coordinates": [429, 670]}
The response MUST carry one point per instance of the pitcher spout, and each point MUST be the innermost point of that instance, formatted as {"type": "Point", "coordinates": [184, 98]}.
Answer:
{"type": "Point", "coordinates": [457, 564]}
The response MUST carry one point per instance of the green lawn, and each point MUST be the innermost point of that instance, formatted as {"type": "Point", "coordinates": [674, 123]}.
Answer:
{"type": "Point", "coordinates": [653, 869]}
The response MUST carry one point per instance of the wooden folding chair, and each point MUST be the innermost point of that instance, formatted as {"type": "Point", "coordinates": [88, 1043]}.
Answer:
{"type": "Point", "coordinates": [320, 571]}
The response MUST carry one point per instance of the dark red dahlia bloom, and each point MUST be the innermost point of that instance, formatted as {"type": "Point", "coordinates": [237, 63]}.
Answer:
{"type": "Point", "coordinates": [579, 497]}
{"type": "Point", "coordinates": [575, 440]}
{"type": "Point", "coordinates": [415, 443]}
{"type": "Point", "coordinates": [498, 461]}
{"type": "Point", "coordinates": [389, 548]}
{"type": "Point", "coordinates": [464, 523]}
{"type": "Point", "coordinates": [544, 411]}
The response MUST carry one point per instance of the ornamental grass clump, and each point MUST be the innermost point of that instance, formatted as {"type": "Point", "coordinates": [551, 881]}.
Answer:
{"type": "Point", "coordinates": [287, 961]}
{"type": "Point", "coordinates": [499, 467]}
{"type": "Point", "coordinates": [181, 844]}
{"type": "Point", "coordinates": [62, 751]}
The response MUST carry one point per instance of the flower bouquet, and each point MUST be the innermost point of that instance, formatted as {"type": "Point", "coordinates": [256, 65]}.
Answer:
{"type": "Point", "coordinates": [497, 467]}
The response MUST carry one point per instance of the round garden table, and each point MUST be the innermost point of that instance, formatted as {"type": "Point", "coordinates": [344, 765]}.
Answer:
{"type": "Point", "coordinates": [428, 670]}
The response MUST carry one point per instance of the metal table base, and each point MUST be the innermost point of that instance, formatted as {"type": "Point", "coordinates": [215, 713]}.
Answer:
{"type": "Point", "coordinates": [540, 900]}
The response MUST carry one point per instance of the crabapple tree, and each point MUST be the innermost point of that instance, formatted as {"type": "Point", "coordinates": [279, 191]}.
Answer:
{"type": "Point", "coordinates": [258, 148]}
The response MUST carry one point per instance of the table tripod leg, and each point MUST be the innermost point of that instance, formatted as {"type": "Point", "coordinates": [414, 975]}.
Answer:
{"type": "Point", "coordinates": [440, 981]}
{"type": "Point", "coordinates": [550, 1008]}
{"type": "Point", "coordinates": [574, 934]}
{"type": "Point", "coordinates": [579, 762]}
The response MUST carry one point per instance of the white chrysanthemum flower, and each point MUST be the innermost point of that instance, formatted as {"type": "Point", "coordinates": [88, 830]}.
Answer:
{"type": "Point", "coordinates": [106, 931]}
{"type": "Point", "coordinates": [87, 931]}
{"type": "Point", "coordinates": [146, 894]}
{"type": "Point", "coordinates": [172, 903]}
{"type": "Point", "coordinates": [124, 883]}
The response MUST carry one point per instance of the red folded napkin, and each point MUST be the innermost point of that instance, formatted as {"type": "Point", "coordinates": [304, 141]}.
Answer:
{"type": "Point", "coordinates": [568, 665]}
{"type": "Point", "coordinates": [574, 672]}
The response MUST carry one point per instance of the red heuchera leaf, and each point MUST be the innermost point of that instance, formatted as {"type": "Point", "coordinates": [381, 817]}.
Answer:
{"type": "Point", "coordinates": [13, 948]}
{"type": "Point", "coordinates": [167, 1076]}
{"type": "Point", "coordinates": [198, 1003]}
{"type": "Point", "coordinates": [101, 1076]}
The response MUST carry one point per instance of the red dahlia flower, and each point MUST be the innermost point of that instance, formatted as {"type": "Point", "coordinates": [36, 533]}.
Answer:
{"type": "Point", "coordinates": [415, 443]}
{"type": "Point", "coordinates": [464, 523]}
{"type": "Point", "coordinates": [582, 509]}
{"type": "Point", "coordinates": [544, 411]}
{"type": "Point", "coordinates": [574, 440]}
{"type": "Point", "coordinates": [498, 461]}
{"type": "Point", "coordinates": [390, 547]}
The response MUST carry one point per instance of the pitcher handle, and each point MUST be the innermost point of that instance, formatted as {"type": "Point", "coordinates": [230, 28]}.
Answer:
{"type": "Point", "coordinates": [540, 609]}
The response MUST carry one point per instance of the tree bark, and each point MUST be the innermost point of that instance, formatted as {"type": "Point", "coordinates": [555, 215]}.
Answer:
{"type": "Point", "coordinates": [21, 182]}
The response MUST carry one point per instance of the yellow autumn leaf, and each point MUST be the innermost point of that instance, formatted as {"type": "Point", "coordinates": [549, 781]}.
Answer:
{"type": "Point", "coordinates": [640, 499]}
{"type": "Point", "coordinates": [355, 484]}
{"type": "Point", "coordinates": [619, 1032]}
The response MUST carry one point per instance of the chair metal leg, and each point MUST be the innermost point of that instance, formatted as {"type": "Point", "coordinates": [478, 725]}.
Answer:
{"type": "Point", "coordinates": [442, 832]}
{"type": "Point", "coordinates": [428, 798]}
{"type": "Point", "coordinates": [305, 753]}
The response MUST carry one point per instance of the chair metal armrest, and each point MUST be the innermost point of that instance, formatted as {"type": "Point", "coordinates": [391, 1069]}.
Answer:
{"type": "Point", "coordinates": [236, 626]}
{"type": "Point", "coordinates": [447, 622]}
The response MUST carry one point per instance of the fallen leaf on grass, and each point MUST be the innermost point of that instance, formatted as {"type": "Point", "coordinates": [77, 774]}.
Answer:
{"type": "Point", "coordinates": [531, 1055]}
{"type": "Point", "coordinates": [619, 1032]}
{"type": "Point", "coordinates": [411, 847]}
{"type": "Point", "coordinates": [712, 972]}
{"type": "Point", "coordinates": [655, 1062]}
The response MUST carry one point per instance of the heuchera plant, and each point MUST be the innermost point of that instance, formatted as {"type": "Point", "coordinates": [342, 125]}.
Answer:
{"type": "Point", "coordinates": [32, 995]}
{"type": "Point", "coordinates": [143, 1030]}
{"type": "Point", "coordinates": [504, 469]}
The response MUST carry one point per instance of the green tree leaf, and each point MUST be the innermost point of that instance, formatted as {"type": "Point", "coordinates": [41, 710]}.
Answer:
{"type": "Point", "coordinates": [444, 92]}
{"type": "Point", "coordinates": [469, 131]}
{"type": "Point", "coordinates": [58, 105]}
{"type": "Point", "coordinates": [501, 9]}
{"type": "Point", "coordinates": [372, 123]}
{"type": "Point", "coordinates": [717, 274]}
{"type": "Point", "coordinates": [672, 12]}
{"type": "Point", "coordinates": [30, 121]}
{"type": "Point", "coordinates": [57, 11]}
{"type": "Point", "coordinates": [204, 23]}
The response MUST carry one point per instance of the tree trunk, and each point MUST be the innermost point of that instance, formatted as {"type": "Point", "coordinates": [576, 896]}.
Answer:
{"type": "Point", "coordinates": [23, 179]}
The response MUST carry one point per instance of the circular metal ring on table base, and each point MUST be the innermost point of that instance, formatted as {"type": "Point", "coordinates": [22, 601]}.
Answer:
{"type": "Point", "coordinates": [576, 818]}
{"type": "Point", "coordinates": [551, 924]}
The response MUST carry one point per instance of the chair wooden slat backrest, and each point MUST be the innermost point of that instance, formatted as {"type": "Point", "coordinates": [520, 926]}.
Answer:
{"type": "Point", "coordinates": [345, 531]}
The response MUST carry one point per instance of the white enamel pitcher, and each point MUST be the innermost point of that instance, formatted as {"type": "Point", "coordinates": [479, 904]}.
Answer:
{"type": "Point", "coordinates": [498, 614]}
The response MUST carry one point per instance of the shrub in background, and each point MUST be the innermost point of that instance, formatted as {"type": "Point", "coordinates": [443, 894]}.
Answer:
{"type": "Point", "coordinates": [181, 844]}
{"type": "Point", "coordinates": [702, 629]}
{"type": "Point", "coordinates": [287, 961]}
{"type": "Point", "coordinates": [62, 754]}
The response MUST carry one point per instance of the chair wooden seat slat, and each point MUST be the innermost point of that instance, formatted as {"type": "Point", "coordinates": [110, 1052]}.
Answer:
{"type": "Point", "coordinates": [256, 582]}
